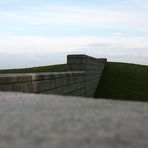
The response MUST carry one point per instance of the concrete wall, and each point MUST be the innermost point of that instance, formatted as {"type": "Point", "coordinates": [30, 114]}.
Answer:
{"type": "Point", "coordinates": [62, 83]}
{"type": "Point", "coordinates": [93, 68]}
{"type": "Point", "coordinates": [81, 79]}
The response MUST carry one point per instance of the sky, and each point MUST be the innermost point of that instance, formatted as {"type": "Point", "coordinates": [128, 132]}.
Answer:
{"type": "Point", "coordinates": [43, 32]}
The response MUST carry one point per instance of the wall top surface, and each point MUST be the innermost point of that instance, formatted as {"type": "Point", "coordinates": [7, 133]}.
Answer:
{"type": "Point", "coordinates": [35, 121]}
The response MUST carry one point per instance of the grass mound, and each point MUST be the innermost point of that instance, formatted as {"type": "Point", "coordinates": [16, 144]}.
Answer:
{"type": "Point", "coordinates": [53, 68]}
{"type": "Point", "coordinates": [124, 81]}
{"type": "Point", "coordinates": [119, 81]}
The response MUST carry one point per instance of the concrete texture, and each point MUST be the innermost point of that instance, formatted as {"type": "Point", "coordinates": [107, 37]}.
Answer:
{"type": "Point", "coordinates": [63, 83]}
{"type": "Point", "coordinates": [46, 121]}
{"type": "Point", "coordinates": [93, 68]}
{"type": "Point", "coordinates": [81, 79]}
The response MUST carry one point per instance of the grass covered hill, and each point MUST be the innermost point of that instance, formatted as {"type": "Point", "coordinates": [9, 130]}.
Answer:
{"type": "Point", "coordinates": [53, 68]}
{"type": "Point", "coordinates": [119, 81]}
{"type": "Point", "coordinates": [124, 81]}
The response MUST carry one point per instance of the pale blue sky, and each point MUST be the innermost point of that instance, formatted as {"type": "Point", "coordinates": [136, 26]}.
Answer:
{"type": "Point", "coordinates": [32, 32]}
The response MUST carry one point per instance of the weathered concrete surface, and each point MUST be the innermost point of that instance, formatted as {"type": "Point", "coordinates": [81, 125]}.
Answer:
{"type": "Point", "coordinates": [81, 79]}
{"type": "Point", "coordinates": [33, 121]}
{"type": "Point", "coordinates": [93, 70]}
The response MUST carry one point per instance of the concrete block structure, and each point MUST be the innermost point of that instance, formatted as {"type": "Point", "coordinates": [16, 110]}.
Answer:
{"type": "Point", "coordinates": [93, 70]}
{"type": "Point", "coordinates": [81, 79]}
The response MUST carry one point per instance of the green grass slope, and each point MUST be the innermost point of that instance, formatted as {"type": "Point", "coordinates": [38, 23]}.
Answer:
{"type": "Point", "coordinates": [53, 68]}
{"type": "Point", "coordinates": [124, 82]}
{"type": "Point", "coordinates": [120, 81]}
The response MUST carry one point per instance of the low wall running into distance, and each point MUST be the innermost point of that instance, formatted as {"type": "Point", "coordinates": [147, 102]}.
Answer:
{"type": "Point", "coordinates": [81, 79]}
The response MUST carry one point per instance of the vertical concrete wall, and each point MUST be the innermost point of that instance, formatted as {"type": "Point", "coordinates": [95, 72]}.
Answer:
{"type": "Point", "coordinates": [93, 68]}
{"type": "Point", "coordinates": [60, 83]}
{"type": "Point", "coordinates": [81, 79]}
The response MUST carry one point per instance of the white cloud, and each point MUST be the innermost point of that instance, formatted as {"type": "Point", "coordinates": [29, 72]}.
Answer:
{"type": "Point", "coordinates": [23, 44]}
{"type": "Point", "coordinates": [117, 34]}
{"type": "Point", "coordinates": [29, 44]}
{"type": "Point", "coordinates": [81, 16]}
{"type": "Point", "coordinates": [38, 48]}
{"type": "Point", "coordinates": [118, 47]}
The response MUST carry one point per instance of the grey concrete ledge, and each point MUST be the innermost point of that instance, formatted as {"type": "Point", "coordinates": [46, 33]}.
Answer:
{"type": "Point", "coordinates": [27, 77]}
{"type": "Point", "coordinates": [82, 58]}
{"type": "Point", "coordinates": [47, 121]}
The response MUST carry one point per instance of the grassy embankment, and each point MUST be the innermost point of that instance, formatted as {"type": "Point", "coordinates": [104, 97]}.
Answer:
{"type": "Point", "coordinates": [120, 81]}
{"type": "Point", "coordinates": [123, 81]}
{"type": "Point", "coordinates": [53, 68]}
